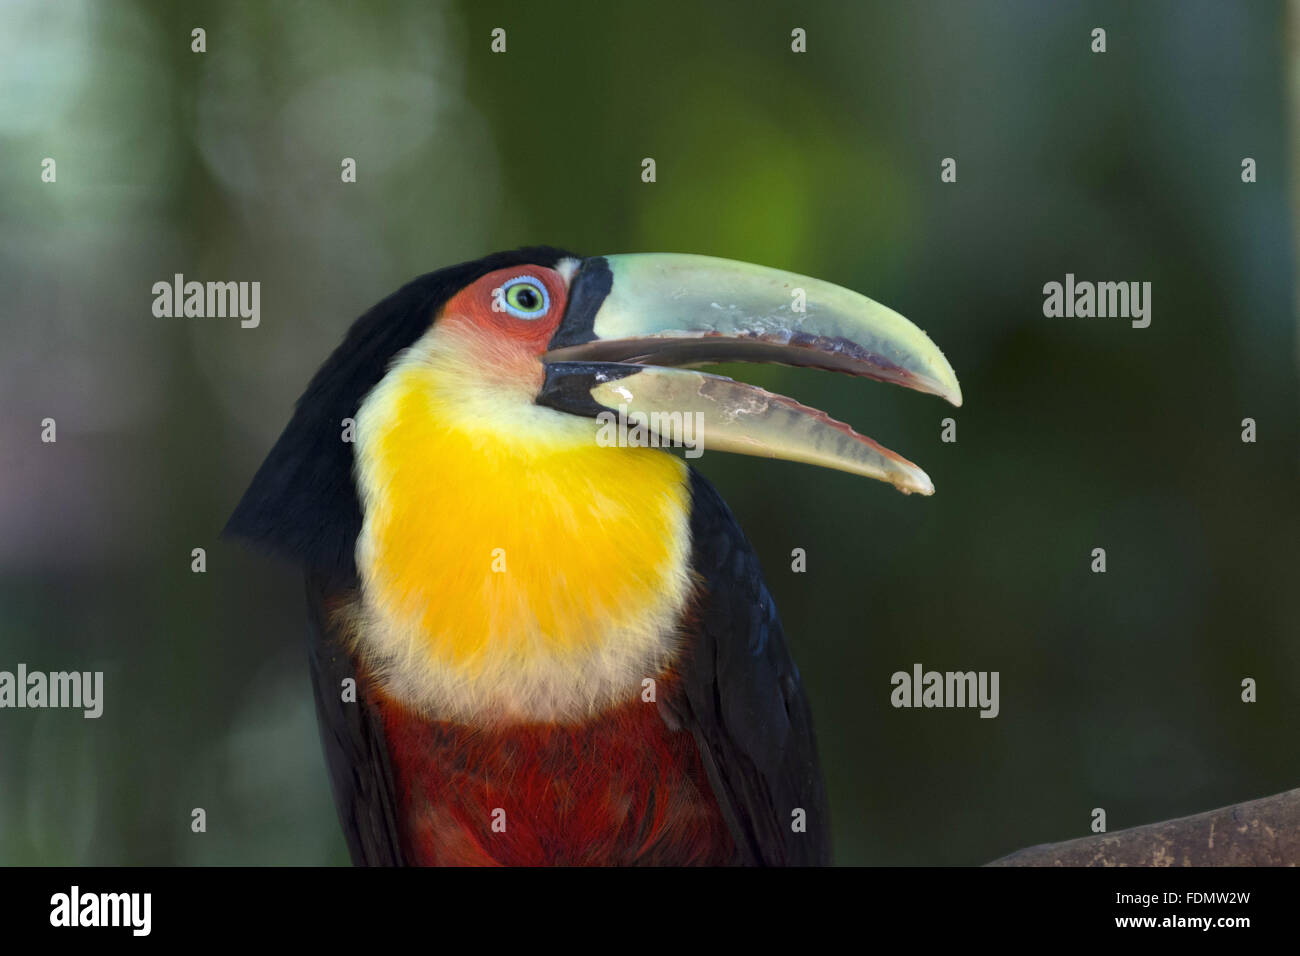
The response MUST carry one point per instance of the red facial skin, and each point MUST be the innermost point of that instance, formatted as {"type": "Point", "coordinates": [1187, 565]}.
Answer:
{"type": "Point", "coordinates": [473, 305]}
{"type": "Point", "coordinates": [621, 790]}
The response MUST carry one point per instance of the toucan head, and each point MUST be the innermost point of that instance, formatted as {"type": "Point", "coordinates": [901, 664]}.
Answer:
{"type": "Point", "coordinates": [548, 333]}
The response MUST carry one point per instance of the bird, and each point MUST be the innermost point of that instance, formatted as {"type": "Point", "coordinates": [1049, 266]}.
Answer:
{"type": "Point", "coordinates": [537, 634]}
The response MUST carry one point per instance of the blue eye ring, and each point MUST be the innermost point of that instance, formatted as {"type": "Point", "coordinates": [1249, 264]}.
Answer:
{"type": "Point", "coordinates": [529, 289]}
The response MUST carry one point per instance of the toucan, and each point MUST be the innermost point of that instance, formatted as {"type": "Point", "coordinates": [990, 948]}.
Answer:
{"type": "Point", "coordinates": [537, 635]}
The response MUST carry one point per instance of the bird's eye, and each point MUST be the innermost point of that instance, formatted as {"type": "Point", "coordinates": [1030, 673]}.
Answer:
{"type": "Point", "coordinates": [524, 298]}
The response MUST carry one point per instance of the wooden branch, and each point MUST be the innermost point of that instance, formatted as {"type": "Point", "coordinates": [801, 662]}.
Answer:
{"type": "Point", "coordinates": [1264, 832]}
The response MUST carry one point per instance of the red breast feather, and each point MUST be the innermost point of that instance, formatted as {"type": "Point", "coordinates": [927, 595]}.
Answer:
{"type": "Point", "coordinates": [621, 790]}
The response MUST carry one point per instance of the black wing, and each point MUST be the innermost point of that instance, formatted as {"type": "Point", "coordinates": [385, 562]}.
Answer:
{"type": "Point", "coordinates": [353, 739]}
{"type": "Point", "coordinates": [744, 702]}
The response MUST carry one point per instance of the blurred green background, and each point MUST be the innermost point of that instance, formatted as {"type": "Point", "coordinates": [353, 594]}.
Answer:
{"type": "Point", "coordinates": [1119, 690]}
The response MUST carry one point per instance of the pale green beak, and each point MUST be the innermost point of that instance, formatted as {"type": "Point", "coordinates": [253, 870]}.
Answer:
{"type": "Point", "coordinates": [635, 324]}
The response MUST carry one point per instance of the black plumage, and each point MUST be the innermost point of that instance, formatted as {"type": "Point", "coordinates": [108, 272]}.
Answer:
{"type": "Point", "coordinates": [352, 736]}
{"type": "Point", "coordinates": [743, 699]}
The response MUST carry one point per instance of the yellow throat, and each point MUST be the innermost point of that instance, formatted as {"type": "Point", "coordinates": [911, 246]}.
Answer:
{"type": "Point", "coordinates": [512, 569]}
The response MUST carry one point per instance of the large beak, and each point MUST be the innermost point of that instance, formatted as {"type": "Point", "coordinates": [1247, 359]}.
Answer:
{"type": "Point", "coordinates": [636, 324]}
